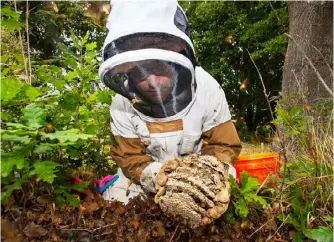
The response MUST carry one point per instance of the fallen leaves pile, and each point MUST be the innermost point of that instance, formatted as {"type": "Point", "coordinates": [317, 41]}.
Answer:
{"type": "Point", "coordinates": [97, 220]}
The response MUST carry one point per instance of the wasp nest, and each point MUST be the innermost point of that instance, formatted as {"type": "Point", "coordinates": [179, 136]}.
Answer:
{"type": "Point", "coordinates": [193, 190]}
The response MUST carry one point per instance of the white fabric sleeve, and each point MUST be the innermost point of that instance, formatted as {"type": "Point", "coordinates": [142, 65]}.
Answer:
{"type": "Point", "coordinates": [149, 175]}
{"type": "Point", "coordinates": [120, 113]}
{"type": "Point", "coordinates": [216, 104]}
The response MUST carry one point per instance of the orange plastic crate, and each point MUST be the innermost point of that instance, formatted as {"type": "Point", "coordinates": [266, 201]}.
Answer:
{"type": "Point", "coordinates": [259, 165]}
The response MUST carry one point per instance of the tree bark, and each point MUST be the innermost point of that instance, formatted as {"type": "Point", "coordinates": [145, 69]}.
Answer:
{"type": "Point", "coordinates": [311, 28]}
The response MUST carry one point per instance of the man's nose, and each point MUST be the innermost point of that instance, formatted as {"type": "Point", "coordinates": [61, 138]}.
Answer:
{"type": "Point", "coordinates": [153, 81]}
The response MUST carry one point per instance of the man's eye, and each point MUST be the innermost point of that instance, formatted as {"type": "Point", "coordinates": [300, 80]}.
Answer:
{"type": "Point", "coordinates": [137, 76]}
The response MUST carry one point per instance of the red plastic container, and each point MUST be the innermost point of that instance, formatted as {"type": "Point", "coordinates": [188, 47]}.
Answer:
{"type": "Point", "coordinates": [259, 165]}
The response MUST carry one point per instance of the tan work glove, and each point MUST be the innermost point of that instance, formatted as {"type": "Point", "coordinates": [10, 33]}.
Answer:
{"type": "Point", "coordinates": [194, 190]}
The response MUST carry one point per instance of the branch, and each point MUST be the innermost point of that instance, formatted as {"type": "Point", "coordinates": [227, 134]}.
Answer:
{"type": "Point", "coordinates": [28, 46]}
{"type": "Point", "coordinates": [281, 140]}
{"type": "Point", "coordinates": [22, 47]}
{"type": "Point", "coordinates": [311, 64]}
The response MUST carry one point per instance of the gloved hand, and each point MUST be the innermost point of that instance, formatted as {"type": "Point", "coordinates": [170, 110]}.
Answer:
{"type": "Point", "coordinates": [148, 177]}
{"type": "Point", "coordinates": [193, 190]}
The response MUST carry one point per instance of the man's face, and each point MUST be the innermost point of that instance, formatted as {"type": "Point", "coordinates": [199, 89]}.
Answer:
{"type": "Point", "coordinates": [156, 88]}
{"type": "Point", "coordinates": [153, 79]}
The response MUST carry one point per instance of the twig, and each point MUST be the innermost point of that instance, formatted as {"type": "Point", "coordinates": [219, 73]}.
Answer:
{"type": "Point", "coordinates": [262, 226]}
{"type": "Point", "coordinates": [307, 178]}
{"type": "Point", "coordinates": [305, 102]}
{"type": "Point", "coordinates": [277, 229]}
{"type": "Point", "coordinates": [262, 184]}
{"type": "Point", "coordinates": [281, 138]}
{"type": "Point", "coordinates": [174, 233]}
{"type": "Point", "coordinates": [28, 46]}
{"type": "Point", "coordinates": [311, 64]}
{"type": "Point", "coordinates": [22, 47]}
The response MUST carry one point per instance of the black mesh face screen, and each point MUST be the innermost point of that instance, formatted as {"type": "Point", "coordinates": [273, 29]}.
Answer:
{"type": "Point", "coordinates": [158, 89]}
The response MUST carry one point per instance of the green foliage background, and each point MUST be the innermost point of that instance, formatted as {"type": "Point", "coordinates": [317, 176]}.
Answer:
{"type": "Point", "coordinates": [222, 34]}
{"type": "Point", "coordinates": [60, 121]}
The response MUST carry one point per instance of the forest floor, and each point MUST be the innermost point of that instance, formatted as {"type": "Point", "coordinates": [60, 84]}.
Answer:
{"type": "Point", "coordinates": [139, 221]}
{"type": "Point", "coordinates": [37, 219]}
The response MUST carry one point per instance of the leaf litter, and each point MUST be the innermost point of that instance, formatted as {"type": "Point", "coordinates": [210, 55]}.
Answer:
{"type": "Point", "coordinates": [141, 220]}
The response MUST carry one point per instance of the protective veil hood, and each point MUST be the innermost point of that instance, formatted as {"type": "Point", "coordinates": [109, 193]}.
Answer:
{"type": "Point", "coordinates": [148, 56]}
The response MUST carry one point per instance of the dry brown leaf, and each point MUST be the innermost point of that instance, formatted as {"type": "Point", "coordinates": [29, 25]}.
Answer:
{"type": "Point", "coordinates": [120, 210]}
{"type": "Point", "coordinates": [97, 12]}
{"type": "Point", "coordinates": [158, 229]}
{"type": "Point", "coordinates": [292, 234]}
{"type": "Point", "coordinates": [8, 231]}
{"type": "Point", "coordinates": [45, 199]}
{"type": "Point", "coordinates": [51, 6]}
{"type": "Point", "coordinates": [91, 207]}
{"type": "Point", "coordinates": [33, 230]}
{"type": "Point", "coordinates": [88, 207]}
{"type": "Point", "coordinates": [82, 209]}
{"type": "Point", "coordinates": [57, 220]}
{"type": "Point", "coordinates": [135, 223]}
{"type": "Point", "coordinates": [143, 235]}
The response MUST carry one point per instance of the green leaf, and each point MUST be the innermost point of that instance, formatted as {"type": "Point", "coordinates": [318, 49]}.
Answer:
{"type": "Point", "coordinates": [321, 234]}
{"type": "Point", "coordinates": [91, 129]}
{"type": "Point", "coordinates": [252, 197]}
{"type": "Point", "coordinates": [85, 39]}
{"type": "Point", "coordinates": [252, 184]}
{"type": "Point", "coordinates": [8, 161]}
{"type": "Point", "coordinates": [19, 132]}
{"type": "Point", "coordinates": [244, 179]}
{"type": "Point", "coordinates": [90, 59]}
{"type": "Point", "coordinates": [7, 11]}
{"type": "Point", "coordinates": [75, 40]}
{"type": "Point", "coordinates": [5, 116]}
{"type": "Point", "coordinates": [31, 92]}
{"type": "Point", "coordinates": [11, 24]}
{"type": "Point", "coordinates": [45, 148]}
{"type": "Point", "coordinates": [34, 116]}
{"type": "Point", "coordinates": [68, 135]}
{"type": "Point", "coordinates": [229, 218]}
{"type": "Point", "coordinates": [71, 75]}
{"type": "Point", "coordinates": [58, 83]}
{"type": "Point", "coordinates": [91, 46]}
{"type": "Point", "coordinates": [16, 138]}
{"type": "Point", "coordinates": [70, 100]}
{"type": "Point", "coordinates": [104, 97]}
{"type": "Point", "coordinates": [45, 170]}
{"type": "Point", "coordinates": [16, 186]}
{"type": "Point", "coordinates": [289, 219]}
{"type": "Point", "coordinates": [81, 187]}
{"type": "Point", "coordinates": [298, 237]}
{"type": "Point", "coordinates": [4, 71]}
{"type": "Point", "coordinates": [10, 86]}
{"type": "Point", "coordinates": [241, 208]}
{"type": "Point", "coordinates": [17, 126]}
{"type": "Point", "coordinates": [72, 200]}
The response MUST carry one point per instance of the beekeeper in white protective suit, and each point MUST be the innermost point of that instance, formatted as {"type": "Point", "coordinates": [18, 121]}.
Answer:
{"type": "Point", "coordinates": [166, 107]}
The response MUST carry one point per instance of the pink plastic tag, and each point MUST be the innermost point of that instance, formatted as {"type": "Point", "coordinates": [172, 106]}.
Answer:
{"type": "Point", "coordinates": [105, 179]}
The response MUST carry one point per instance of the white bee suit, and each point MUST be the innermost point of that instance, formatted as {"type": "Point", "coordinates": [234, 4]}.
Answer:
{"type": "Point", "coordinates": [166, 107]}
{"type": "Point", "coordinates": [208, 110]}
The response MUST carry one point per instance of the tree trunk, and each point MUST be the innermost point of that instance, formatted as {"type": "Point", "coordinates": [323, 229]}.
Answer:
{"type": "Point", "coordinates": [310, 50]}
{"type": "Point", "coordinates": [311, 28]}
